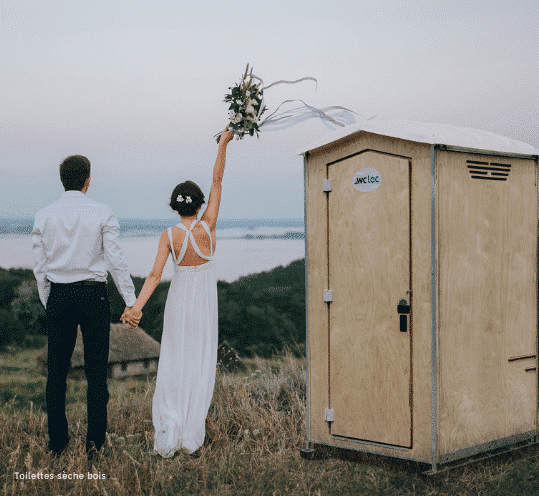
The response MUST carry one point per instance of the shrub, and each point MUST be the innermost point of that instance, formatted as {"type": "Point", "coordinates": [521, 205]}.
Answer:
{"type": "Point", "coordinates": [11, 330]}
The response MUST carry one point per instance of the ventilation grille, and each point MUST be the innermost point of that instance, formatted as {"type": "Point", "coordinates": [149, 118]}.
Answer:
{"type": "Point", "coordinates": [486, 170]}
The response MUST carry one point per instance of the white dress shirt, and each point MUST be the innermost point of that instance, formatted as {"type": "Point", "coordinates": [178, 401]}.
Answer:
{"type": "Point", "coordinates": [76, 239]}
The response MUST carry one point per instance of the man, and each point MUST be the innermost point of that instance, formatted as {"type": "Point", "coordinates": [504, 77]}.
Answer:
{"type": "Point", "coordinates": [75, 241]}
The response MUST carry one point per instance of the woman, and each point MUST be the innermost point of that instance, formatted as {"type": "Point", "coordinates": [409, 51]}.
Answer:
{"type": "Point", "coordinates": [186, 373]}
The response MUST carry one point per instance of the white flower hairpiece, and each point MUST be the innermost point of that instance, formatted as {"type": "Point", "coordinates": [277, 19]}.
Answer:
{"type": "Point", "coordinates": [179, 199]}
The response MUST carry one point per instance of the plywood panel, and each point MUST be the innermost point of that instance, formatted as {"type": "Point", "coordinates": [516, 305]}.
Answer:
{"type": "Point", "coordinates": [488, 301]}
{"type": "Point", "coordinates": [421, 275]}
{"type": "Point", "coordinates": [317, 316]}
{"type": "Point", "coordinates": [369, 272]}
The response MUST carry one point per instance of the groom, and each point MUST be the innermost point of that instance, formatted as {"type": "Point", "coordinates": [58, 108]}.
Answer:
{"type": "Point", "coordinates": [75, 242]}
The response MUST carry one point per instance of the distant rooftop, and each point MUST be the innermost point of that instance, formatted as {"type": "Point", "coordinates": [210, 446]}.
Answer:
{"type": "Point", "coordinates": [422, 132]}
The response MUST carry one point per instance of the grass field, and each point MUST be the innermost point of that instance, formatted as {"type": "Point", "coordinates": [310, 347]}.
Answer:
{"type": "Point", "coordinates": [255, 430]}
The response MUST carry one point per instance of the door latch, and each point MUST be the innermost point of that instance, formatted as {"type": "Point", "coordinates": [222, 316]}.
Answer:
{"type": "Point", "coordinates": [403, 309]}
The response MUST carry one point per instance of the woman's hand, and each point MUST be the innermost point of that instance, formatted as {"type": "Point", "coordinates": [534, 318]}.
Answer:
{"type": "Point", "coordinates": [132, 317]}
{"type": "Point", "coordinates": [226, 137]}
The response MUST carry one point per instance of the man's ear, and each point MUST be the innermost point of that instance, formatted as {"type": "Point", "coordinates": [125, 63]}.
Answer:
{"type": "Point", "coordinates": [86, 185]}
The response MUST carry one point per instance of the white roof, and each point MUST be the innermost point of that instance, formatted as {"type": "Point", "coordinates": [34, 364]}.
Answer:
{"type": "Point", "coordinates": [422, 132]}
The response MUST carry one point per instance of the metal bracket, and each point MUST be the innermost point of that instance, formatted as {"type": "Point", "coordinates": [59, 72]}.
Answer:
{"type": "Point", "coordinates": [328, 415]}
{"type": "Point", "coordinates": [326, 185]}
{"type": "Point", "coordinates": [328, 295]}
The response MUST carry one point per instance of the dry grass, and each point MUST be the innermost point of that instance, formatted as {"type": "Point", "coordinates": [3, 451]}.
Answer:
{"type": "Point", "coordinates": [255, 429]}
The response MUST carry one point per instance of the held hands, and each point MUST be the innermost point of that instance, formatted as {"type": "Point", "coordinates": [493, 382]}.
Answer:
{"type": "Point", "coordinates": [132, 317]}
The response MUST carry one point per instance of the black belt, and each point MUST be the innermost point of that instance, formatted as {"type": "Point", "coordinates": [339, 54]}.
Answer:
{"type": "Point", "coordinates": [79, 283]}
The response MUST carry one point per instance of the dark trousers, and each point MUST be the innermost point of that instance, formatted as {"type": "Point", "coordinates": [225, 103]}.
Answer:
{"type": "Point", "coordinates": [68, 306]}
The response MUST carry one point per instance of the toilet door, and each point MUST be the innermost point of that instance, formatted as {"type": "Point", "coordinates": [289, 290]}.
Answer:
{"type": "Point", "coordinates": [369, 246]}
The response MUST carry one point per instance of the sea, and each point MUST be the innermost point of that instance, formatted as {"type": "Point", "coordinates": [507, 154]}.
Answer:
{"type": "Point", "coordinates": [244, 246]}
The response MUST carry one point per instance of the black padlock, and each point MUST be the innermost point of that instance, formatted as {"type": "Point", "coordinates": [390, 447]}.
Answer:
{"type": "Point", "coordinates": [403, 307]}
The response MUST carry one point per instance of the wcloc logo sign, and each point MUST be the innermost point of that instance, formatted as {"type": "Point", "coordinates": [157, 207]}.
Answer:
{"type": "Point", "coordinates": [366, 180]}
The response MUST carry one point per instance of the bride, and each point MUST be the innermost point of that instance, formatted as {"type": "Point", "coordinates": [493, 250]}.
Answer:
{"type": "Point", "coordinates": [188, 358]}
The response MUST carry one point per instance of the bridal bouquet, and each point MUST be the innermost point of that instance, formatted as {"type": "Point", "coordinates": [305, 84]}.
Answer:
{"type": "Point", "coordinates": [247, 106]}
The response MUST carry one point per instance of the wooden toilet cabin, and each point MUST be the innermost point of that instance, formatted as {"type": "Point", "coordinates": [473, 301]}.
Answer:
{"type": "Point", "coordinates": [421, 275]}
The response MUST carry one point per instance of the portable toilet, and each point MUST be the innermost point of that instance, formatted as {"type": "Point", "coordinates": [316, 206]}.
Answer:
{"type": "Point", "coordinates": [421, 278]}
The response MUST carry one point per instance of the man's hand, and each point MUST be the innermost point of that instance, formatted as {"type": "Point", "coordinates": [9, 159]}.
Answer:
{"type": "Point", "coordinates": [132, 317]}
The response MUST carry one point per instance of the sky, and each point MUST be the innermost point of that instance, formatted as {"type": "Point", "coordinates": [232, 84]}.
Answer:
{"type": "Point", "coordinates": [138, 88]}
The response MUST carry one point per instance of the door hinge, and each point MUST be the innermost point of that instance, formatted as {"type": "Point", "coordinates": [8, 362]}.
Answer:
{"type": "Point", "coordinates": [326, 185]}
{"type": "Point", "coordinates": [328, 415]}
{"type": "Point", "coordinates": [328, 295]}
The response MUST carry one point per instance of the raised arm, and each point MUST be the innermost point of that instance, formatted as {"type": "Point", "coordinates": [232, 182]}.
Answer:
{"type": "Point", "coordinates": [212, 210]}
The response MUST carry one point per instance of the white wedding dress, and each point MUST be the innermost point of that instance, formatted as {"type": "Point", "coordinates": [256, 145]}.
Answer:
{"type": "Point", "coordinates": [188, 359]}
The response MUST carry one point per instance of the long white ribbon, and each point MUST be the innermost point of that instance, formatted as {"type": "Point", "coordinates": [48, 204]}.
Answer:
{"type": "Point", "coordinates": [297, 115]}
{"type": "Point", "coordinates": [342, 116]}
{"type": "Point", "coordinates": [290, 82]}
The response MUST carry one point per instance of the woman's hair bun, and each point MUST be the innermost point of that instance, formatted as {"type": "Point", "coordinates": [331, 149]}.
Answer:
{"type": "Point", "coordinates": [186, 199]}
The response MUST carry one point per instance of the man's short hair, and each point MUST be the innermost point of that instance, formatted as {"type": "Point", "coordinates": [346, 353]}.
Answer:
{"type": "Point", "coordinates": [74, 171]}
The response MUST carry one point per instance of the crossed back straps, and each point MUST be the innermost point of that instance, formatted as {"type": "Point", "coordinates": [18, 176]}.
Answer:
{"type": "Point", "coordinates": [189, 236]}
